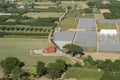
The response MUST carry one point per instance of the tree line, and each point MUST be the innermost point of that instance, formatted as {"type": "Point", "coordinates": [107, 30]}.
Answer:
{"type": "Point", "coordinates": [13, 69]}
{"type": "Point", "coordinates": [110, 69]}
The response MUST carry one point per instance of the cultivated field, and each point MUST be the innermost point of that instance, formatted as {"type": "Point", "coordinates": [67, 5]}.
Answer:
{"type": "Point", "coordinates": [19, 47]}
{"type": "Point", "coordinates": [43, 14]}
{"type": "Point", "coordinates": [105, 26]}
{"type": "Point", "coordinates": [77, 14]}
{"type": "Point", "coordinates": [82, 74]}
{"type": "Point", "coordinates": [98, 16]}
{"type": "Point", "coordinates": [69, 23]}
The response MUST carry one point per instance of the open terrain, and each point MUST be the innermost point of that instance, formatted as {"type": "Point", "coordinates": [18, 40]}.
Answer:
{"type": "Point", "coordinates": [104, 55]}
{"type": "Point", "coordinates": [19, 47]}
{"type": "Point", "coordinates": [105, 26]}
{"type": "Point", "coordinates": [82, 74]}
{"type": "Point", "coordinates": [69, 23]}
{"type": "Point", "coordinates": [77, 14]}
{"type": "Point", "coordinates": [43, 14]}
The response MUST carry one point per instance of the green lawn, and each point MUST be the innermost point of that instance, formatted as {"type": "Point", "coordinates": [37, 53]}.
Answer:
{"type": "Point", "coordinates": [19, 47]}
{"type": "Point", "coordinates": [83, 74]}
{"type": "Point", "coordinates": [106, 26]}
{"type": "Point", "coordinates": [69, 23]}
{"type": "Point", "coordinates": [43, 14]}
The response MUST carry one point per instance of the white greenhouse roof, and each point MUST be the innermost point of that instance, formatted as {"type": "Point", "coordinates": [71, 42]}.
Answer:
{"type": "Point", "coordinates": [108, 32]}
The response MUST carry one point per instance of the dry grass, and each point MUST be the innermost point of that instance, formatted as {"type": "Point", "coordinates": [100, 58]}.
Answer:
{"type": "Point", "coordinates": [105, 11]}
{"type": "Point", "coordinates": [98, 16]}
{"type": "Point", "coordinates": [84, 5]}
{"type": "Point", "coordinates": [43, 14]}
{"type": "Point", "coordinates": [104, 55]}
{"type": "Point", "coordinates": [69, 23]}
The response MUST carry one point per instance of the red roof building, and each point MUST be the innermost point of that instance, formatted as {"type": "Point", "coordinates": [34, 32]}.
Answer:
{"type": "Point", "coordinates": [50, 49]}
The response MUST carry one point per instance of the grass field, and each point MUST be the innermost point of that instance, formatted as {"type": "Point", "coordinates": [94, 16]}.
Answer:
{"type": "Point", "coordinates": [83, 74]}
{"type": "Point", "coordinates": [105, 26]}
{"type": "Point", "coordinates": [43, 14]}
{"type": "Point", "coordinates": [19, 47]}
{"type": "Point", "coordinates": [77, 14]}
{"type": "Point", "coordinates": [69, 23]}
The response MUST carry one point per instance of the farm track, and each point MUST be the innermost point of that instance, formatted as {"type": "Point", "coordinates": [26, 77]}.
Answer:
{"type": "Point", "coordinates": [75, 33]}
{"type": "Point", "coordinates": [117, 27]}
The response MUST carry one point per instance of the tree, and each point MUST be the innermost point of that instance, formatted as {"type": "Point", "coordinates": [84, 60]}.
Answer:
{"type": "Point", "coordinates": [41, 69]}
{"type": "Point", "coordinates": [88, 10]}
{"type": "Point", "coordinates": [58, 4]}
{"type": "Point", "coordinates": [16, 72]}
{"type": "Point", "coordinates": [77, 64]}
{"type": "Point", "coordinates": [5, 79]}
{"type": "Point", "coordinates": [62, 65]}
{"type": "Point", "coordinates": [53, 0]}
{"type": "Point", "coordinates": [56, 69]}
{"type": "Point", "coordinates": [107, 65]}
{"type": "Point", "coordinates": [53, 73]}
{"type": "Point", "coordinates": [69, 7]}
{"type": "Point", "coordinates": [10, 63]}
{"type": "Point", "coordinates": [74, 49]}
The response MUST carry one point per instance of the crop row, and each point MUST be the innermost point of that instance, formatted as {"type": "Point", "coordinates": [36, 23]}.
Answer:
{"type": "Point", "coordinates": [24, 31]}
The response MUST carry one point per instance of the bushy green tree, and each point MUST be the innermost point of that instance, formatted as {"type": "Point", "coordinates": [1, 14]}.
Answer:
{"type": "Point", "coordinates": [74, 49]}
{"type": "Point", "coordinates": [56, 69]}
{"type": "Point", "coordinates": [41, 69]}
{"type": "Point", "coordinates": [10, 63]}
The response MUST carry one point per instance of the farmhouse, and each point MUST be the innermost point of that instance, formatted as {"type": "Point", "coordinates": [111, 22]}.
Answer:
{"type": "Point", "coordinates": [50, 49]}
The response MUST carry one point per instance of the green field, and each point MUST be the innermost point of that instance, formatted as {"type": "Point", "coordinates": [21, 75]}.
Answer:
{"type": "Point", "coordinates": [83, 74]}
{"type": "Point", "coordinates": [77, 14]}
{"type": "Point", "coordinates": [43, 14]}
{"type": "Point", "coordinates": [105, 26]}
{"type": "Point", "coordinates": [69, 23]}
{"type": "Point", "coordinates": [19, 47]}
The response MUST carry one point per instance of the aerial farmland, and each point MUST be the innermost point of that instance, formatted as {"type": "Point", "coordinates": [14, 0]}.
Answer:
{"type": "Point", "coordinates": [59, 40]}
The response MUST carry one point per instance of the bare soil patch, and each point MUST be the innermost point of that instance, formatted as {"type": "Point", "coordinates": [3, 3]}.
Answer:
{"type": "Point", "coordinates": [105, 11]}
{"type": "Point", "coordinates": [104, 55]}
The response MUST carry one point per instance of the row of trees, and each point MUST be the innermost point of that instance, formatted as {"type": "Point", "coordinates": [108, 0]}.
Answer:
{"type": "Point", "coordinates": [56, 69]}
{"type": "Point", "coordinates": [19, 20]}
{"type": "Point", "coordinates": [13, 69]}
{"type": "Point", "coordinates": [37, 29]}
